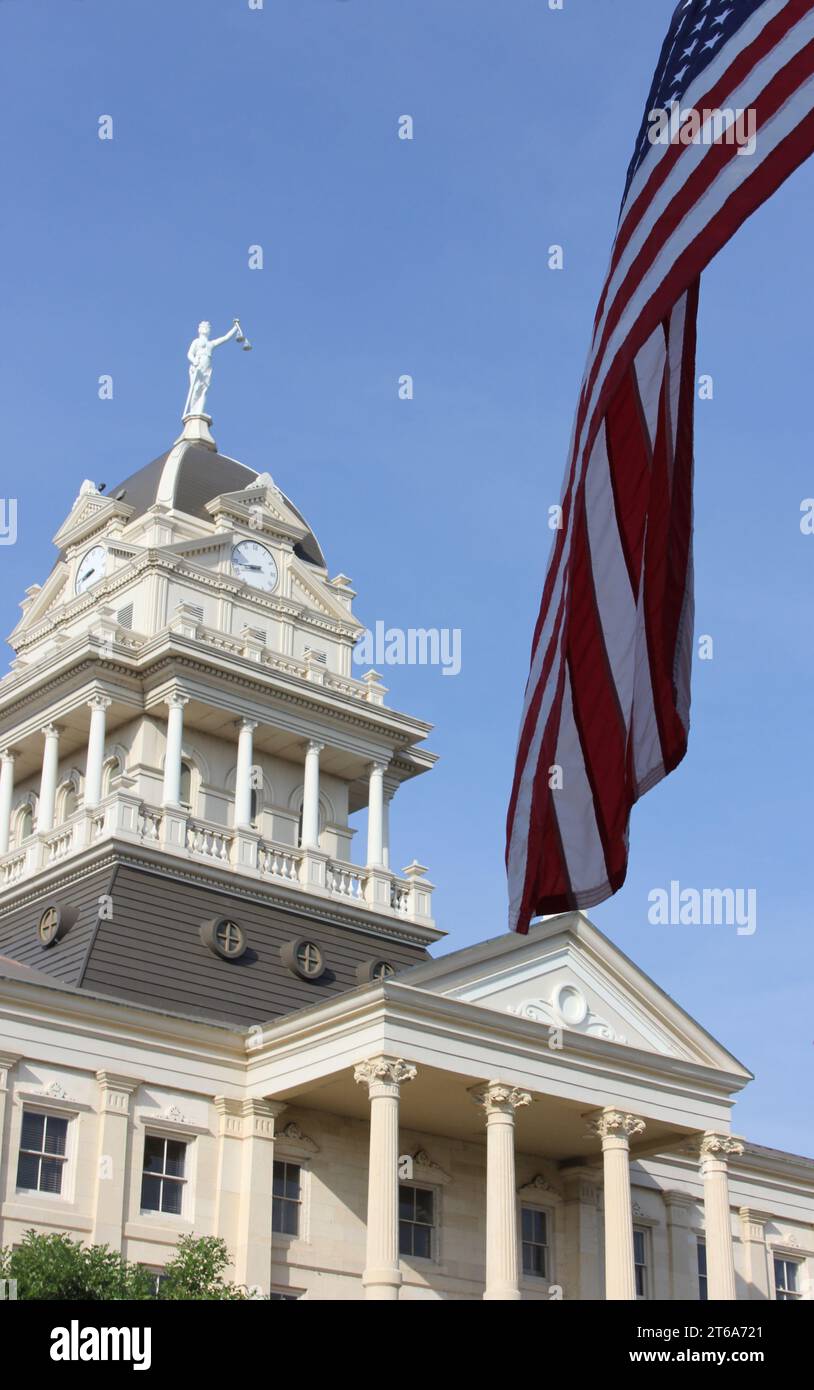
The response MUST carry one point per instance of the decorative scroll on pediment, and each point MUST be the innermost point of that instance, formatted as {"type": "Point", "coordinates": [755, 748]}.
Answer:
{"type": "Point", "coordinates": [568, 1008]}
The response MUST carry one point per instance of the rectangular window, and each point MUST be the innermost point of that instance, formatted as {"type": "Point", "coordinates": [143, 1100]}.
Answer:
{"type": "Point", "coordinates": [534, 1228]}
{"type": "Point", "coordinates": [162, 1181]}
{"type": "Point", "coordinates": [703, 1287]}
{"type": "Point", "coordinates": [416, 1221]}
{"type": "Point", "coordinates": [640, 1261]}
{"type": "Point", "coordinates": [277, 1296]}
{"type": "Point", "coordinates": [43, 1145]}
{"type": "Point", "coordinates": [786, 1285]}
{"type": "Point", "coordinates": [286, 1198]}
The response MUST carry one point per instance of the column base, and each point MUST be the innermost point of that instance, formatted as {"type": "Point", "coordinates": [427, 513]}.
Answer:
{"type": "Point", "coordinates": [382, 1285]}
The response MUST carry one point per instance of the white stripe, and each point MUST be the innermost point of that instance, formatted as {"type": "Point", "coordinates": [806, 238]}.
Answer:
{"type": "Point", "coordinates": [703, 84]}
{"type": "Point", "coordinates": [678, 324]}
{"type": "Point", "coordinates": [614, 596]}
{"type": "Point", "coordinates": [574, 806]}
{"type": "Point", "coordinates": [644, 728]}
{"type": "Point", "coordinates": [649, 368]}
{"type": "Point", "coordinates": [519, 842]}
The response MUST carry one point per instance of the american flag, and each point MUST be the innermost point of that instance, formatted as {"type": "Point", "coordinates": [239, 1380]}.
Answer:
{"type": "Point", "coordinates": [606, 713]}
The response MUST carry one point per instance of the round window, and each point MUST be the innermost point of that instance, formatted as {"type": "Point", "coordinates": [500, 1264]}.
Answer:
{"type": "Point", "coordinates": [225, 937]}
{"type": "Point", "coordinates": [50, 927]}
{"type": "Point", "coordinates": [370, 970]}
{"type": "Point", "coordinates": [304, 958]}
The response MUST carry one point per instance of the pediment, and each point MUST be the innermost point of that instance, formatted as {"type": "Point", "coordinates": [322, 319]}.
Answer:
{"type": "Point", "coordinates": [261, 504]}
{"type": "Point", "coordinates": [565, 975]}
{"type": "Point", "coordinates": [316, 595]}
{"type": "Point", "coordinates": [90, 512]}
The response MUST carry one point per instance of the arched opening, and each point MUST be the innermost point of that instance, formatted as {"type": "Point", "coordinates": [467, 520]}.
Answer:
{"type": "Point", "coordinates": [67, 801]}
{"type": "Point", "coordinates": [186, 785]}
{"type": "Point", "coordinates": [25, 823]}
{"type": "Point", "coordinates": [111, 772]}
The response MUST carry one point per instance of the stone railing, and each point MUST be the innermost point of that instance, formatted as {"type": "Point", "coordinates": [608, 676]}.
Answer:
{"type": "Point", "coordinates": [14, 867]}
{"type": "Point", "coordinates": [279, 861]}
{"type": "Point", "coordinates": [123, 815]}
{"type": "Point", "coordinates": [345, 880]}
{"type": "Point", "coordinates": [210, 841]}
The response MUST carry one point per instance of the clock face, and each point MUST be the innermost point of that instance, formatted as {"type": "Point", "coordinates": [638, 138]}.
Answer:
{"type": "Point", "coordinates": [256, 565]}
{"type": "Point", "coordinates": [92, 568]}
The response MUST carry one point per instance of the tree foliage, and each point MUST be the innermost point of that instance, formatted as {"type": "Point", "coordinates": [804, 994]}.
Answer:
{"type": "Point", "coordinates": [54, 1266]}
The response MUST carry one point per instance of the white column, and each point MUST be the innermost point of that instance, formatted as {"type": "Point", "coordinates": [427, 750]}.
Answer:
{"type": "Point", "coordinates": [383, 1077]}
{"type": "Point", "coordinates": [48, 779]}
{"type": "Point", "coordinates": [310, 797]}
{"type": "Point", "coordinates": [99, 705]}
{"type": "Point", "coordinates": [175, 740]}
{"type": "Point", "coordinates": [243, 776]}
{"type": "Point", "coordinates": [714, 1151]}
{"type": "Point", "coordinates": [6, 796]}
{"type": "Point", "coordinates": [614, 1128]}
{"type": "Point", "coordinates": [388, 796]}
{"type": "Point", "coordinates": [500, 1101]}
{"type": "Point", "coordinates": [375, 816]}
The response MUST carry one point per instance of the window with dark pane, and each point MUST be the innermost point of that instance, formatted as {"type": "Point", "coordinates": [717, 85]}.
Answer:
{"type": "Point", "coordinates": [534, 1229]}
{"type": "Point", "coordinates": [162, 1179]}
{"type": "Point", "coordinates": [286, 1198]}
{"type": "Point", "coordinates": [43, 1144]}
{"type": "Point", "coordinates": [703, 1287]}
{"type": "Point", "coordinates": [416, 1221]}
{"type": "Point", "coordinates": [640, 1262]}
{"type": "Point", "coordinates": [276, 1297]}
{"type": "Point", "coordinates": [786, 1287]}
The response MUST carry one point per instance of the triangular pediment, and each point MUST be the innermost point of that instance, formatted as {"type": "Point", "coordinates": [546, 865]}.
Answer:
{"type": "Point", "coordinates": [566, 975]}
{"type": "Point", "coordinates": [315, 594]}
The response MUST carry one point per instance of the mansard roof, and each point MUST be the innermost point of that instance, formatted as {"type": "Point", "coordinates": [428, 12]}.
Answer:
{"type": "Point", "coordinates": [188, 476]}
{"type": "Point", "coordinates": [146, 948]}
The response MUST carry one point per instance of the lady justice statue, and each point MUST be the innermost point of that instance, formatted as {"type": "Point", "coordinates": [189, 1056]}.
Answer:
{"type": "Point", "coordinates": [200, 360]}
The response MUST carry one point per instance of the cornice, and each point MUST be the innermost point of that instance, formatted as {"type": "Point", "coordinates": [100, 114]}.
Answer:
{"type": "Point", "coordinates": [291, 690]}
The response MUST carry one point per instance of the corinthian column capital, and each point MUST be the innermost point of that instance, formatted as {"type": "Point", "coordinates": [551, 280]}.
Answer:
{"type": "Point", "coordinates": [720, 1146]}
{"type": "Point", "coordinates": [498, 1097]}
{"type": "Point", "coordinates": [387, 1071]}
{"type": "Point", "coordinates": [614, 1124]}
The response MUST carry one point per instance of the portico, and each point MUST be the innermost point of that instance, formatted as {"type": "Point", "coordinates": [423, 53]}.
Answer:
{"type": "Point", "coordinates": [586, 1110]}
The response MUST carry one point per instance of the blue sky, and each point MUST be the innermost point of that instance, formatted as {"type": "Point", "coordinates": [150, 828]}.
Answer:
{"type": "Point", "coordinates": [382, 257]}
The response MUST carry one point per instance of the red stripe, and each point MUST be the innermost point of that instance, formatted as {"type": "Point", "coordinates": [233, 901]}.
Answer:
{"type": "Point", "coordinates": [629, 460]}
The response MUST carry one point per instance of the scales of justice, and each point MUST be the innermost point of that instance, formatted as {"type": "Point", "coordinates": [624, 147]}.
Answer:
{"type": "Point", "coordinates": [196, 420]}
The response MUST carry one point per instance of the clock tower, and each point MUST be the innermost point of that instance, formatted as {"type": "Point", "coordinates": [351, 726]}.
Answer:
{"type": "Point", "coordinates": [184, 747]}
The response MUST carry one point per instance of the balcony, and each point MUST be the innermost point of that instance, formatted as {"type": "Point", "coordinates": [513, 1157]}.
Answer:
{"type": "Point", "coordinates": [122, 816]}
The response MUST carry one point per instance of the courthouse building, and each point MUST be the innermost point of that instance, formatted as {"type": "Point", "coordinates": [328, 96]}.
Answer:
{"type": "Point", "coordinates": [219, 1015]}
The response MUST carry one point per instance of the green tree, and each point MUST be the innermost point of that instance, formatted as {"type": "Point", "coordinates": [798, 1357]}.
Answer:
{"type": "Point", "coordinates": [56, 1267]}
{"type": "Point", "coordinates": [196, 1271]}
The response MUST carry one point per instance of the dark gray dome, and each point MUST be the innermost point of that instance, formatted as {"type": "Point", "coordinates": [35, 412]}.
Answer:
{"type": "Point", "coordinates": [187, 477]}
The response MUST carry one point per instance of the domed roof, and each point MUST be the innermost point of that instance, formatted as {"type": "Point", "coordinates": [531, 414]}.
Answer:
{"type": "Point", "coordinates": [188, 476]}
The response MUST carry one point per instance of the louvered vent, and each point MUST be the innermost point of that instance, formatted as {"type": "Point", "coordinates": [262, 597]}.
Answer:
{"type": "Point", "coordinates": [124, 617]}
